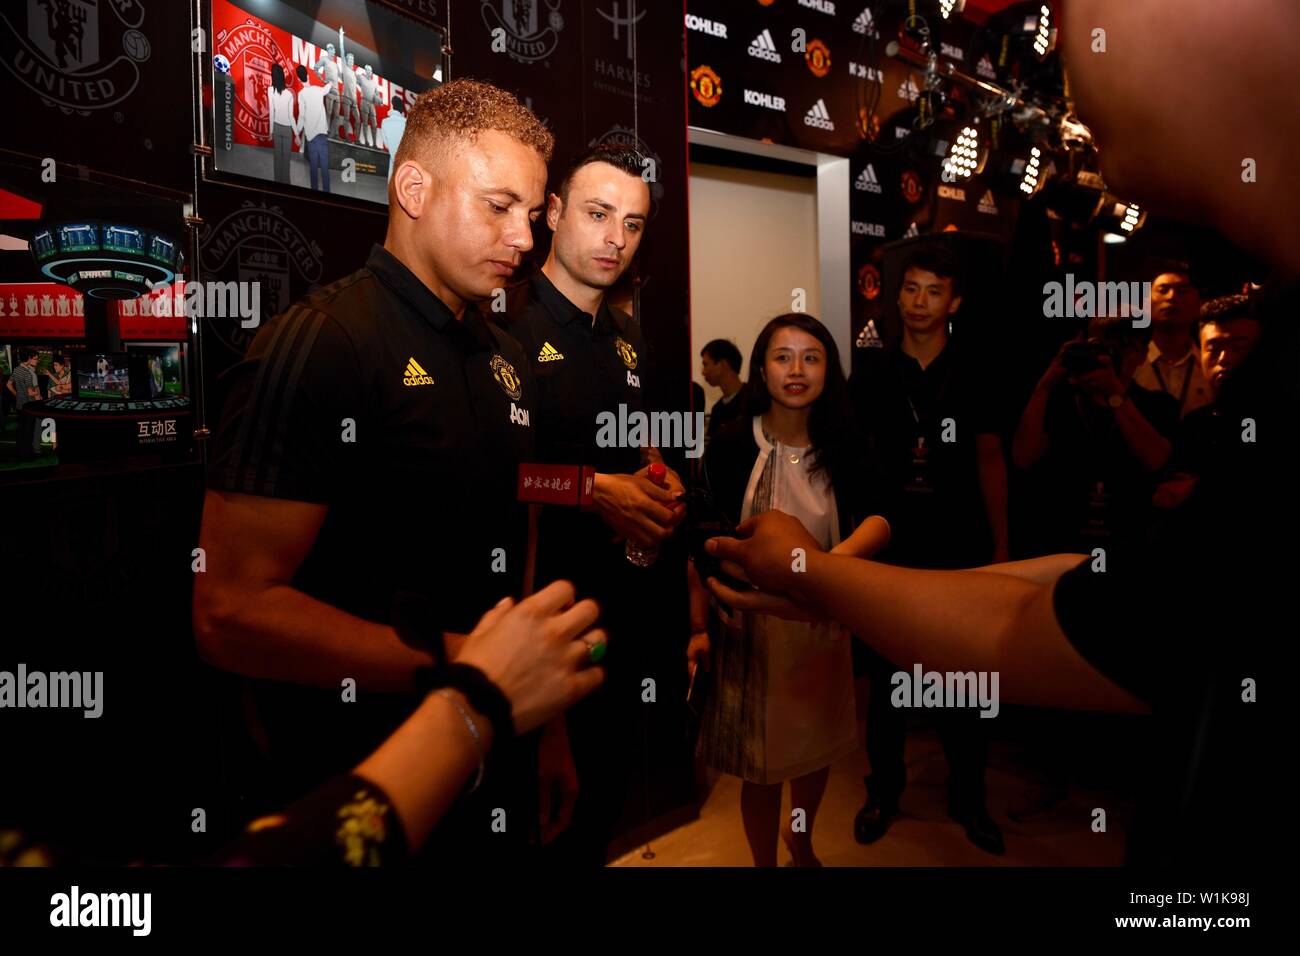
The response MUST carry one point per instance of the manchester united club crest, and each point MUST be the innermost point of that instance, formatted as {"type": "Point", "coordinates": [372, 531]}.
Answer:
{"type": "Point", "coordinates": [869, 281]}
{"type": "Point", "coordinates": [506, 377]}
{"type": "Point", "coordinates": [818, 58]}
{"type": "Point", "coordinates": [251, 50]}
{"type": "Point", "coordinates": [71, 56]}
{"type": "Point", "coordinates": [706, 85]}
{"type": "Point", "coordinates": [527, 37]}
{"type": "Point", "coordinates": [868, 124]}
{"type": "Point", "coordinates": [912, 188]}
{"type": "Point", "coordinates": [625, 352]}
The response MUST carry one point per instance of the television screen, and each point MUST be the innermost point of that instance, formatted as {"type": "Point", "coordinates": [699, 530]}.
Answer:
{"type": "Point", "coordinates": [101, 376]}
{"type": "Point", "coordinates": [348, 68]}
{"type": "Point", "coordinates": [160, 366]}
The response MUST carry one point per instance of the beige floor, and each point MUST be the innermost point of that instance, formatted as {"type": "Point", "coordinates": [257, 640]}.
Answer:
{"type": "Point", "coordinates": [921, 836]}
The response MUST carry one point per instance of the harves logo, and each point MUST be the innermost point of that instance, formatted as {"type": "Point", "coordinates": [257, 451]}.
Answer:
{"type": "Point", "coordinates": [527, 40]}
{"type": "Point", "coordinates": [265, 247]}
{"type": "Point", "coordinates": [250, 49]}
{"type": "Point", "coordinates": [66, 53]}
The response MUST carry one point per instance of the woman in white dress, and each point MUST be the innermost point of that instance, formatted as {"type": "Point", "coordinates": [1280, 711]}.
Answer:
{"type": "Point", "coordinates": [782, 705]}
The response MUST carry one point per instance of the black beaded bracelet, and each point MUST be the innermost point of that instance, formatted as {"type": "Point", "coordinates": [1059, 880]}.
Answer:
{"type": "Point", "coordinates": [482, 695]}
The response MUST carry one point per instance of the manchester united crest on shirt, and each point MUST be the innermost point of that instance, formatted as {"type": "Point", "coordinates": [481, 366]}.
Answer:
{"type": "Point", "coordinates": [625, 352]}
{"type": "Point", "coordinates": [506, 377]}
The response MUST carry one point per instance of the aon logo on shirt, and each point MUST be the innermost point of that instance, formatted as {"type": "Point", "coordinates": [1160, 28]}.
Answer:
{"type": "Point", "coordinates": [518, 415]}
{"type": "Point", "coordinates": [633, 380]}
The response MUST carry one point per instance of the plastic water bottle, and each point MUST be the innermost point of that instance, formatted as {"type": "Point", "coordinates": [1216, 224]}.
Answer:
{"type": "Point", "coordinates": [644, 557]}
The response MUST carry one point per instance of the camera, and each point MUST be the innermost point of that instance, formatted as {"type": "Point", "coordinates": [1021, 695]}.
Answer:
{"type": "Point", "coordinates": [1080, 358]}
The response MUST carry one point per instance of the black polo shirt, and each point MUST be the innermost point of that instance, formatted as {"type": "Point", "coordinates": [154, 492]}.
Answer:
{"type": "Point", "coordinates": [935, 506]}
{"type": "Point", "coordinates": [584, 366]}
{"type": "Point", "coordinates": [369, 396]}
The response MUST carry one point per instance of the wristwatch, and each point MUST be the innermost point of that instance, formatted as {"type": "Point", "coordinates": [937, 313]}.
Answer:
{"type": "Point", "coordinates": [1115, 401]}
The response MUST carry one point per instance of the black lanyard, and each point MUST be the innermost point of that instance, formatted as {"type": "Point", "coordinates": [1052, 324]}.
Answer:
{"type": "Point", "coordinates": [938, 396]}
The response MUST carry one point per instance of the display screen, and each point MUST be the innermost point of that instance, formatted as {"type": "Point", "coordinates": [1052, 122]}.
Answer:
{"type": "Point", "coordinates": [124, 239]}
{"type": "Point", "coordinates": [43, 244]}
{"type": "Point", "coordinates": [161, 367]}
{"type": "Point", "coordinates": [79, 237]}
{"type": "Point", "coordinates": [378, 57]}
{"type": "Point", "coordinates": [103, 376]}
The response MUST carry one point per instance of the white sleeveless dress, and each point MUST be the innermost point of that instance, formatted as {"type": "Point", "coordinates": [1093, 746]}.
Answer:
{"type": "Point", "coordinates": [783, 702]}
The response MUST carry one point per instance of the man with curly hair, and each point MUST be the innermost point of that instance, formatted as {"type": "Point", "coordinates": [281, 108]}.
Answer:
{"type": "Point", "coordinates": [366, 461]}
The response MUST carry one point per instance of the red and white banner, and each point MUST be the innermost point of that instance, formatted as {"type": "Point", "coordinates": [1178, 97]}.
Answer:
{"type": "Point", "coordinates": [159, 314]}
{"type": "Point", "coordinates": [41, 310]}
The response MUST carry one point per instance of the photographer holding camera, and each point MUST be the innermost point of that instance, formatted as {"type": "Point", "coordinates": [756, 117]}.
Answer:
{"type": "Point", "coordinates": [1097, 439]}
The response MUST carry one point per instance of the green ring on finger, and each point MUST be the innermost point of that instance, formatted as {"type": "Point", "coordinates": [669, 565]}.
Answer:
{"type": "Point", "coordinates": [595, 650]}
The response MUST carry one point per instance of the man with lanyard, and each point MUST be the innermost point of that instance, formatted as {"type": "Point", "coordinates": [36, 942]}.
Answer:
{"type": "Point", "coordinates": [589, 359]}
{"type": "Point", "coordinates": [361, 492]}
{"type": "Point", "coordinates": [1171, 364]}
{"type": "Point", "coordinates": [934, 438]}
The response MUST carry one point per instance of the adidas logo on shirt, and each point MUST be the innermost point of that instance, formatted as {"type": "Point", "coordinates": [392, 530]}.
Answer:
{"type": "Point", "coordinates": [415, 375]}
{"type": "Point", "coordinates": [987, 205]}
{"type": "Point", "coordinates": [867, 181]}
{"type": "Point", "coordinates": [549, 353]}
{"type": "Point", "coordinates": [819, 117]}
{"type": "Point", "coordinates": [763, 48]}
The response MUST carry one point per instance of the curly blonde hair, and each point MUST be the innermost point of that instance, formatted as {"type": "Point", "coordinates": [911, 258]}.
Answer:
{"type": "Point", "coordinates": [460, 110]}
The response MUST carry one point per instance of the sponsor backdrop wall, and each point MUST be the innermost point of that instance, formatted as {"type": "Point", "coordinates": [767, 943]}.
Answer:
{"type": "Point", "coordinates": [813, 74]}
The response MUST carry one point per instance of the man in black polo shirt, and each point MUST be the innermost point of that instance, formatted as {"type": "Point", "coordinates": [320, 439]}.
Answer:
{"type": "Point", "coordinates": [720, 363]}
{"type": "Point", "coordinates": [1062, 634]}
{"type": "Point", "coordinates": [589, 360]}
{"type": "Point", "coordinates": [369, 450]}
{"type": "Point", "coordinates": [933, 434]}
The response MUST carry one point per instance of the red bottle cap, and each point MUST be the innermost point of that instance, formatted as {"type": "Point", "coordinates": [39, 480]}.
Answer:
{"type": "Point", "coordinates": [658, 473]}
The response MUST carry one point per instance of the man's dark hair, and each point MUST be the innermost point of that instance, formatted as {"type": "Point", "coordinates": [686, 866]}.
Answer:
{"type": "Point", "coordinates": [398, 104]}
{"type": "Point", "coordinates": [722, 350]}
{"type": "Point", "coordinates": [1226, 308]}
{"type": "Point", "coordinates": [25, 354]}
{"type": "Point", "coordinates": [940, 260]}
{"type": "Point", "coordinates": [1159, 267]}
{"type": "Point", "coordinates": [301, 73]}
{"type": "Point", "coordinates": [620, 157]}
